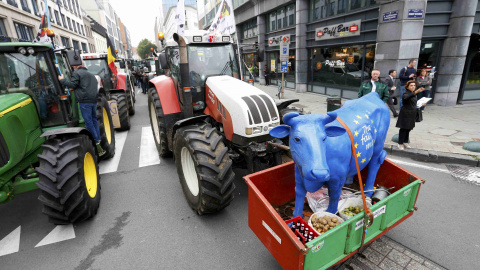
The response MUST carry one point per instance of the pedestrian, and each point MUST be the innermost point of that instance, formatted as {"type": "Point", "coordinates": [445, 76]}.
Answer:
{"type": "Point", "coordinates": [374, 85]}
{"type": "Point", "coordinates": [406, 74]}
{"type": "Point", "coordinates": [408, 113]}
{"type": "Point", "coordinates": [390, 82]}
{"type": "Point", "coordinates": [85, 86]}
{"type": "Point", "coordinates": [145, 81]}
{"type": "Point", "coordinates": [267, 75]}
{"type": "Point", "coordinates": [424, 81]}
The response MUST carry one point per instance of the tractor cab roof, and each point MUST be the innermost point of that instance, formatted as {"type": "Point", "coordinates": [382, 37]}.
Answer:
{"type": "Point", "coordinates": [94, 56]}
{"type": "Point", "coordinates": [200, 37]}
{"type": "Point", "coordinates": [14, 46]}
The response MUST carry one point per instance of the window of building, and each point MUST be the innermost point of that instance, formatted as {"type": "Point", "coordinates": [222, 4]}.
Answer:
{"type": "Point", "coordinates": [281, 18]}
{"type": "Point", "coordinates": [249, 28]}
{"type": "Point", "coordinates": [65, 42]}
{"type": "Point", "coordinates": [84, 47]}
{"type": "Point", "coordinates": [83, 30]}
{"type": "Point", "coordinates": [35, 8]}
{"type": "Point", "coordinates": [25, 6]}
{"type": "Point", "coordinates": [69, 24]}
{"type": "Point", "coordinates": [3, 30]}
{"type": "Point", "coordinates": [12, 3]}
{"type": "Point", "coordinates": [75, 45]}
{"type": "Point", "coordinates": [63, 20]}
{"type": "Point", "coordinates": [74, 26]}
{"type": "Point", "coordinates": [50, 14]}
{"type": "Point", "coordinates": [320, 9]}
{"type": "Point", "coordinates": [78, 27]}
{"type": "Point", "coordinates": [70, 6]}
{"type": "Point", "coordinates": [24, 33]}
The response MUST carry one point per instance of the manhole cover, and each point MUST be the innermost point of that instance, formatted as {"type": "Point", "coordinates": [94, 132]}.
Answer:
{"type": "Point", "coordinates": [457, 143]}
{"type": "Point", "coordinates": [469, 175]}
{"type": "Point", "coordinates": [443, 132]}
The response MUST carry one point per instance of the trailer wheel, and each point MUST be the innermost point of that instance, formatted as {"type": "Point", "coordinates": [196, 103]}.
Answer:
{"type": "Point", "coordinates": [107, 132]}
{"type": "Point", "coordinates": [157, 122]}
{"type": "Point", "coordinates": [204, 168]}
{"type": "Point", "coordinates": [122, 108]}
{"type": "Point", "coordinates": [68, 179]}
{"type": "Point", "coordinates": [130, 101]}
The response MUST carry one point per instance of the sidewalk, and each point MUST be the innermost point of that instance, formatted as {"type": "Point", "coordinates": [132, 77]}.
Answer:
{"type": "Point", "coordinates": [438, 138]}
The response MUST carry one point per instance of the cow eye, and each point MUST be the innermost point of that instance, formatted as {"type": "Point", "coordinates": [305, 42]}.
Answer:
{"type": "Point", "coordinates": [297, 139]}
{"type": "Point", "coordinates": [324, 138]}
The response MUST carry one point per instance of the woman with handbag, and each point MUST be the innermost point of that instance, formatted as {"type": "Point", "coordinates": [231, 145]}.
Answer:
{"type": "Point", "coordinates": [408, 113]}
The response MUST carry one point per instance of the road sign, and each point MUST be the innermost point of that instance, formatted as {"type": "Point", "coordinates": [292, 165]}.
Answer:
{"type": "Point", "coordinates": [283, 51]}
{"type": "Point", "coordinates": [283, 66]}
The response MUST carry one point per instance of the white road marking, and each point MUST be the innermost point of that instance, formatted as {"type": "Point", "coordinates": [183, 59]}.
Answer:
{"type": "Point", "coordinates": [138, 92]}
{"type": "Point", "coordinates": [111, 165]}
{"type": "Point", "coordinates": [58, 234]}
{"type": "Point", "coordinates": [148, 150]}
{"type": "Point", "coordinates": [10, 243]}
{"type": "Point", "coordinates": [419, 166]}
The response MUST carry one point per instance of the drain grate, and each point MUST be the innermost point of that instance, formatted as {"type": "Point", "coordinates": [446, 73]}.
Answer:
{"type": "Point", "coordinates": [469, 175]}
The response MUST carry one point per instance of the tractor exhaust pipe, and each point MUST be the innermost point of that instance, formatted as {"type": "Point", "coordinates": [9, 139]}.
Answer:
{"type": "Point", "coordinates": [184, 76]}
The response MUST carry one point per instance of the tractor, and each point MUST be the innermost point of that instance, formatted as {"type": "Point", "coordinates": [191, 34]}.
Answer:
{"type": "Point", "coordinates": [112, 86]}
{"type": "Point", "coordinates": [43, 140]}
{"type": "Point", "coordinates": [210, 120]}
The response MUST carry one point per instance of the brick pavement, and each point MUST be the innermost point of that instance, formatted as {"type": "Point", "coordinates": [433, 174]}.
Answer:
{"type": "Point", "coordinates": [443, 129]}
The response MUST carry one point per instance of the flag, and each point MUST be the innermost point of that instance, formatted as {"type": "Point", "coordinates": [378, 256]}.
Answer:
{"type": "Point", "coordinates": [111, 56]}
{"type": "Point", "coordinates": [180, 18]}
{"type": "Point", "coordinates": [42, 29]}
{"type": "Point", "coordinates": [224, 22]}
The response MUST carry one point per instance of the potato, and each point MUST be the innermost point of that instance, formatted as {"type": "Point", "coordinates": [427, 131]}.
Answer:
{"type": "Point", "coordinates": [331, 224]}
{"type": "Point", "coordinates": [335, 220]}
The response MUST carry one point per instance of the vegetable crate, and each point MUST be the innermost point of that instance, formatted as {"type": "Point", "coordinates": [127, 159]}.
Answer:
{"type": "Point", "coordinates": [276, 186]}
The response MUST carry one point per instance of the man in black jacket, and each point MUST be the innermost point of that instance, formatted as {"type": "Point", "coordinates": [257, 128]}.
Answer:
{"type": "Point", "coordinates": [390, 82]}
{"type": "Point", "coordinates": [406, 74]}
{"type": "Point", "coordinates": [85, 85]}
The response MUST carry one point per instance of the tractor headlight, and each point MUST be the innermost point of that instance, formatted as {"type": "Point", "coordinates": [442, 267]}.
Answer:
{"type": "Point", "coordinates": [257, 130]}
{"type": "Point", "coordinates": [248, 131]}
{"type": "Point", "coordinates": [30, 50]}
{"type": "Point", "coordinates": [22, 50]}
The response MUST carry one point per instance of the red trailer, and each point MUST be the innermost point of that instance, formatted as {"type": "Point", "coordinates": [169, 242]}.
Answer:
{"type": "Point", "coordinates": [276, 186]}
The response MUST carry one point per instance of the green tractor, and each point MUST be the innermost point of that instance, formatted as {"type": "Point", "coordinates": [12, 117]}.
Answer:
{"type": "Point", "coordinates": [43, 140]}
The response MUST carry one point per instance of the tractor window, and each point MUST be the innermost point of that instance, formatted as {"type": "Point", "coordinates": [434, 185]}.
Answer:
{"type": "Point", "coordinates": [62, 64]}
{"type": "Point", "coordinates": [173, 56]}
{"type": "Point", "coordinates": [98, 67]}
{"type": "Point", "coordinates": [30, 74]}
{"type": "Point", "coordinates": [211, 59]}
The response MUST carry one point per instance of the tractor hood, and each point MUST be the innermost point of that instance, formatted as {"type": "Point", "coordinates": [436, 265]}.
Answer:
{"type": "Point", "coordinates": [9, 100]}
{"type": "Point", "coordinates": [253, 112]}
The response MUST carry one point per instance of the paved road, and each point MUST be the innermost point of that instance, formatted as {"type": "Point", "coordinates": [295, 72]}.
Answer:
{"type": "Point", "coordinates": [144, 222]}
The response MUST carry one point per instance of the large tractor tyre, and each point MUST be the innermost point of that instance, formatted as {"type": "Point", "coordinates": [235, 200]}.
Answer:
{"type": "Point", "coordinates": [130, 101]}
{"type": "Point", "coordinates": [157, 122]}
{"type": "Point", "coordinates": [122, 108]}
{"type": "Point", "coordinates": [68, 179]}
{"type": "Point", "coordinates": [204, 168]}
{"type": "Point", "coordinates": [107, 132]}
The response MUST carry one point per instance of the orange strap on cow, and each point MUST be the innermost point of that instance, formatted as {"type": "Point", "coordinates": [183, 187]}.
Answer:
{"type": "Point", "coordinates": [368, 212]}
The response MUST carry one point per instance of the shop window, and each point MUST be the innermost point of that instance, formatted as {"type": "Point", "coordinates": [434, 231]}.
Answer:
{"type": "Point", "coordinates": [471, 90]}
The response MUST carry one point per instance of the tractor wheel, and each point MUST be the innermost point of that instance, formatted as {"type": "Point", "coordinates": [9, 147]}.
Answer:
{"type": "Point", "coordinates": [130, 101]}
{"type": "Point", "coordinates": [122, 108]}
{"type": "Point", "coordinates": [107, 132]}
{"type": "Point", "coordinates": [68, 179]}
{"type": "Point", "coordinates": [157, 122]}
{"type": "Point", "coordinates": [204, 168]}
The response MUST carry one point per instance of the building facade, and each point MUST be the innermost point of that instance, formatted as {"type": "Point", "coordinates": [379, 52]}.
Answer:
{"type": "Point", "coordinates": [20, 19]}
{"type": "Point", "coordinates": [125, 36]}
{"type": "Point", "coordinates": [170, 27]}
{"type": "Point", "coordinates": [335, 44]}
{"type": "Point", "coordinates": [88, 33]}
{"type": "Point", "coordinates": [99, 34]}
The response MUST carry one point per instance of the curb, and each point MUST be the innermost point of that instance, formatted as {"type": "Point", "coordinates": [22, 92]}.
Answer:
{"type": "Point", "coordinates": [432, 156]}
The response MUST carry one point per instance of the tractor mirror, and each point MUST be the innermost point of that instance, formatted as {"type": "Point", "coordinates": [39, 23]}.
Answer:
{"type": "Point", "coordinates": [260, 54]}
{"type": "Point", "coordinates": [74, 57]}
{"type": "Point", "coordinates": [162, 58]}
{"type": "Point", "coordinates": [122, 64]}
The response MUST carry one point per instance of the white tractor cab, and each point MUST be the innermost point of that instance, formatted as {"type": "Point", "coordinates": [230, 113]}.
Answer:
{"type": "Point", "coordinates": [111, 87]}
{"type": "Point", "coordinates": [211, 120]}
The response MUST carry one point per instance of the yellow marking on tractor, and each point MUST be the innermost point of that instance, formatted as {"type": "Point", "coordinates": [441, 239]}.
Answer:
{"type": "Point", "coordinates": [19, 105]}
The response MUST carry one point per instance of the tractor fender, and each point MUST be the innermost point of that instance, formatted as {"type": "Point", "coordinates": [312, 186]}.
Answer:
{"type": "Point", "coordinates": [65, 131]}
{"type": "Point", "coordinates": [122, 81]}
{"type": "Point", "coordinates": [185, 122]}
{"type": "Point", "coordinates": [166, 93]}
{"type": "Point", "coordinates": [117, 91]}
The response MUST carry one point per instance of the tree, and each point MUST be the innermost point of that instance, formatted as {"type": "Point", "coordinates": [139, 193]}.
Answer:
{"type": "Point", "coordinates": [144, 48]}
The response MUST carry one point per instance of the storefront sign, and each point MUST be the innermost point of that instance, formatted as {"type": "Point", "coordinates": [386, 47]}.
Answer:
{"type": "Point", "coordinates": [346, 29]}
{"type": "Point", "coordinates": [390, 16]}
{"type": "Point", "coordinates": [415, 13]}
{"type": "Point", "coordinates": [333, 63]}
{"type": "Point", "coordinates": [275, 41]}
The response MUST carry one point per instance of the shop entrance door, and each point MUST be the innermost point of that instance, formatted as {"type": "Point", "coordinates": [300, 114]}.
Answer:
{"type": "Point", "coordinates": [429, 59]}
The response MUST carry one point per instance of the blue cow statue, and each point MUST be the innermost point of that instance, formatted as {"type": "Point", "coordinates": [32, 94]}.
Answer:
{"type": "Point", "coordinates": [322, 150]}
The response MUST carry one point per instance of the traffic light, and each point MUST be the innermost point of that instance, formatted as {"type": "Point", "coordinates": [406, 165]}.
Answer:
{"type": "Point", "coordinates": [256, 45]}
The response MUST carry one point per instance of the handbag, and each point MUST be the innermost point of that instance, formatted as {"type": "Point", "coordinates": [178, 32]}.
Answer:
{"type": "Point", "coordinates": [419, 116]}
{"type": "Point", "coordinates": [395, 100]}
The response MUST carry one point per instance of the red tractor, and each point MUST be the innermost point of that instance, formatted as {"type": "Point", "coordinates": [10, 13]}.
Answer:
{"type": "Point", "coordinates": [210, 120]}
{"type": "Point", "coordinates": [112, 86]}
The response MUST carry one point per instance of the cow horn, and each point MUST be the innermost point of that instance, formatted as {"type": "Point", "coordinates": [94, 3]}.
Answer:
{"type": "Point", "coordinates": [331, 116]}
{"type": "Point", "coordinates": [287, 117]}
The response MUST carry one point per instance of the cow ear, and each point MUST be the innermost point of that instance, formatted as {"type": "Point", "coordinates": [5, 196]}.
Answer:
{"type": "Point", "coordinates": [334, 131]}
{"type": "Point", "coordinates": [280, 132]}
{"type": "Point", "coordinates": [287, 117]}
